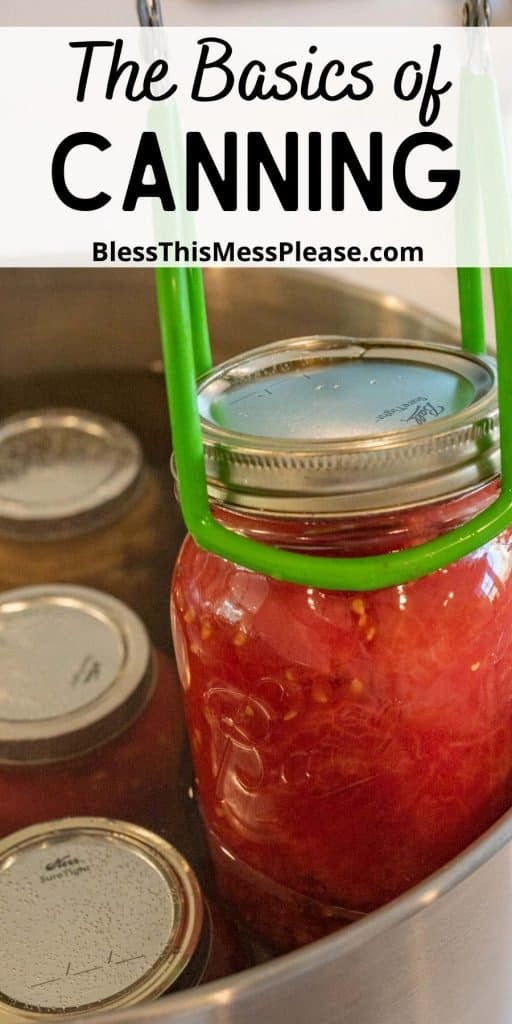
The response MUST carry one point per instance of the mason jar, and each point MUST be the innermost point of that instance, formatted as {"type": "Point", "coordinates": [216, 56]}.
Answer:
{"type": "Point", "coordinates": [97, 915]}
{"type": "Point", "coordinates": [346, 745]}
{"type": "Point", "coordinates": [80, 504]}
{"type": "Point", "coordinates": [91, 720]}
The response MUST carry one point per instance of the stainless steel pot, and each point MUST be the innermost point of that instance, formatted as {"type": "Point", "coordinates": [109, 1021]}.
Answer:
{"type": "Point", "coordinates": [438, 955]}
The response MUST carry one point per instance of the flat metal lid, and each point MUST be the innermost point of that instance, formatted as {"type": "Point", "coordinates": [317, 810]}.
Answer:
{"type": "Point", "coordinates": [96, 914]}
{"type": "Point", "coordinates": [76, 668]}
{"type": "Point", "coordinates": [64, 471]}
{"type": "Point", "coordinates": [333, 425]}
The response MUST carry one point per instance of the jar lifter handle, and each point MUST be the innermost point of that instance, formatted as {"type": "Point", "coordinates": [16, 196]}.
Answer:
{"type": "Point", "coordinates": [475, 14]}
{"type": "Point", "coordinates": [186, 355]}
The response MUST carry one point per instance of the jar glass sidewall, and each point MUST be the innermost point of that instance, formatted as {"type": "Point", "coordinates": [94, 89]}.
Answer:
{"type": "Point", "coordinates": [346, 745]}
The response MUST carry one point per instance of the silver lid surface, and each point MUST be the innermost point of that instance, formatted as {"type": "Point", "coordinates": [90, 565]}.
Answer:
{"type": "Point", "coordinates": [76, 668]}
{"type": "Point", "coordinates": [96, 914]}
{"type": "Point", "coordinates": [64, 472]}
{"type": "Point", "coordinates": [329, 425]}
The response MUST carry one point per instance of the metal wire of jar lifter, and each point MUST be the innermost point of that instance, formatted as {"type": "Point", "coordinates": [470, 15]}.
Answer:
{"type": "Point", "coordinates": [150, 13]}
{"type": "Point", "coordinates": [475, 14]}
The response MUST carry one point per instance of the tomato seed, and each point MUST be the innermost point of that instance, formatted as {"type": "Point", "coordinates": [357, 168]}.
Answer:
{"type": "Point", "coordinates": [358, 606]}
{"type": "Point", "coordinates": [357, 687]}
{"type": "Point", "coordinates": [321, 693]}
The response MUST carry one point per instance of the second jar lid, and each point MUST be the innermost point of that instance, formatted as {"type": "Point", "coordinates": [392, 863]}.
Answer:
{"type": "Point", "coordinates": [64, 472]}
{"type": "Point", "coordinates": [76, 668]}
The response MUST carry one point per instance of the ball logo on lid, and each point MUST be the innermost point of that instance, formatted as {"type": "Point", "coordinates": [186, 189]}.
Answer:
{"type": "Point", "coordinates": [422, 410]}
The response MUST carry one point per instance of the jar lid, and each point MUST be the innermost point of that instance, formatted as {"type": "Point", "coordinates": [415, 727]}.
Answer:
{"type": "Point", "coordinates": [76, 669]}
{"type": "Point", "coordinates": [96, 914]}
{"type": "Point", "coordinates": [330, 425]}
{"type": "Point", "coordinates": [64, 472]}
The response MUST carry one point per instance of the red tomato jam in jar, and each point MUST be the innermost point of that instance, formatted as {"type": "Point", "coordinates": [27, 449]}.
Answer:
{"type": "Point", "coordinates": [90, 714]}
{"type": "Point", "coordinates": [346, 745]}
{"type": "Point", "coordinates": [97, 915]}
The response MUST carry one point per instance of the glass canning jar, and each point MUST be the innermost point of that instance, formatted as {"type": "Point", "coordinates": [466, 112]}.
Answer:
{"type": "Point", "coordinates": [346, 745]}
{"type": "Point", "coordinates": [90, 713]}
{"type": "Point", "coordinates": [79, 504]}
{"type": "Point", "coordinates": [98, 914]}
